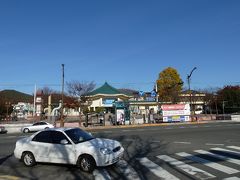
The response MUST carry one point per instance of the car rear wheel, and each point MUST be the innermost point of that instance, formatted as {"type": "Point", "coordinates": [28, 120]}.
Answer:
{"type": "Point", "coordinates": [86, 163]}
{"type": "Point", "coordinates": [28, 159]}
{"type": "Point", "coordinates": [26, 130]}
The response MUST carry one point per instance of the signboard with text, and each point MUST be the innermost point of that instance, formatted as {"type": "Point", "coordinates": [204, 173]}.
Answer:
{"type": "Point", "coordinates": [108, 102]}
{"type": "Point", "coordinates": [176, 112]}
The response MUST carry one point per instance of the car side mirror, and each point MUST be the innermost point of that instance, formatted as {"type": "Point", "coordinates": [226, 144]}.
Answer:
{"type": "Point", "coordinates": [64, 142]}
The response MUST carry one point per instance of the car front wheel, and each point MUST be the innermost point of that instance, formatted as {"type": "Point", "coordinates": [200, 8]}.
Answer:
{"type": "Point", "coordinates": [28, 159]}
{"type": "Point", "coordinates": [86, 163]}
{"type": "Point", "coordinates": [26, 130]}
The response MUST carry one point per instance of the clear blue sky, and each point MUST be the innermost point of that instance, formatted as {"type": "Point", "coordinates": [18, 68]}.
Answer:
{"type": "Point", "coordinates": [126, 42]}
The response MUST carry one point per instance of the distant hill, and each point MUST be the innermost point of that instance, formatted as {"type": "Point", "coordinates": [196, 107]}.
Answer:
{"type": "Point", "coordinates": [15, 96]}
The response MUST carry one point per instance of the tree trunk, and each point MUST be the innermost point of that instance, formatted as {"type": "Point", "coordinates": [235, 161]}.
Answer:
{"type": "Point", "coordinates": [80, 117]}
{"type": "Point", "coordinates": [216, 108]}
{"type": "Point", "coordinates": [62, 122]}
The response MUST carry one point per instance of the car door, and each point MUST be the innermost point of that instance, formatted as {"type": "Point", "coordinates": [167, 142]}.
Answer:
{"type": "Point", "coordinates": [40, 146]}
{"type": "Point", "coordinates": [41, 126]}
{"type": "Point", "coordinates": [61, 152]}
{"type": "Point", "coordinates": [35, 126]}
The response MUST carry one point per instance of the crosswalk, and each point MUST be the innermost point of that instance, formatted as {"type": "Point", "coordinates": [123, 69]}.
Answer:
{"type": "Point", "coordinates": [199, 164]}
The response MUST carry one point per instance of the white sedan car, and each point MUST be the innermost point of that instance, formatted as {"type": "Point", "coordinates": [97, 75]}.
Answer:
{"type": "Point", "coordinates": [37, 127]}
{"type": "Point", "coordinates": [68, 146]}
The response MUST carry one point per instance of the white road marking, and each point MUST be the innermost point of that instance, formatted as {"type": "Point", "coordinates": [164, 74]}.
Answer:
{"type": "Point", "coordinates": [225, 158]}
{"type": "Point", "coordinates": [101, 174]}
{"type": "Point", "coordinates": [127, 170]}
{"type": "Point", "coordinates": [194, 126]}
{"type": "Point", "coordinates": [232, 178]}
{"type": "Point", "coordinates": [126, 130]}
{"type": "Point", "coordinates": [228, 151]}
{"type": "Point", "coordinates": [10, 136]}
{"type": "Point", "coordinates": [176, 142]}
{"type": "Point", "coordinates": [234, 147]}
{"type": "Point", "coordinates": [108, 131]}
{"type": "Point", "coordinates": [129, 140]}
{"type": "Point", "coordinates": [140, 130]}
{"type": "Point", "coordinates": [198, 173]}
{"type": "Point", "coordinates": [155, 141]}
{"type": "Point", "coordinates": [156, 169]}
{"type": "Point", "coordinates": [211, 144]}
{"type": "Point", "coordinates": [208, 163]}
{"type": "Point", "coordinates": [154, 129]}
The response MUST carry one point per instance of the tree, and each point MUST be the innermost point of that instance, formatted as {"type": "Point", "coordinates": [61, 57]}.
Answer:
{"type": "Point", "coordinates": [46, 92]}
{"type": "Point", "coordinates": [169, 85]}
{"type": "Point", "coordinates": [211, 101]}
{"type": "Point", "coordinates": [56, 96]}
{"type": "Point", "coordinates": [229, 99]}
{"type": "Point", "coordinates": [79, 91]}
{"type": "Point", "coordinates": [10, 97]}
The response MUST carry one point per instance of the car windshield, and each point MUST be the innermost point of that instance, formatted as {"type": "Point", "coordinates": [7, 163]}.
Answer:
{"type": "Point", "coordinates": [78, 135]}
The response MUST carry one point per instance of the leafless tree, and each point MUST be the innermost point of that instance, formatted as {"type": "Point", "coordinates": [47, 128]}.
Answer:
{"type": "Point", "coordinates": [79, 90]}
{"type": "Point", "coordinates": [211, 99]}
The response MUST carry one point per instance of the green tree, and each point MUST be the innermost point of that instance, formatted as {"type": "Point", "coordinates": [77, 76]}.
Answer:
{"type": "Point", "coordinates": [229, 99]}
{"type": "Point", "coordinates": [169, 85]}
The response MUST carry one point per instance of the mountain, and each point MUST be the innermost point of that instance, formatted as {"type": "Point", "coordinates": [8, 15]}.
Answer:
{"type": "Point", "coordinates": [15, 97]}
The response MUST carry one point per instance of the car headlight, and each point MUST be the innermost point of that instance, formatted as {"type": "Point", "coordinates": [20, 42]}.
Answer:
{"type": "Point", "coordinates": [105, 150]}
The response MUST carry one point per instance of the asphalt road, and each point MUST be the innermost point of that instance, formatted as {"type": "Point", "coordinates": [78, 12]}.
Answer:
{"type": "Point", "coordinates": [199, 151]}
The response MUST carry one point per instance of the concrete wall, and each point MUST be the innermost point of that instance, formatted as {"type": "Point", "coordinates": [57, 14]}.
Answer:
{"type": "Point", "coordinates": [235, 117]}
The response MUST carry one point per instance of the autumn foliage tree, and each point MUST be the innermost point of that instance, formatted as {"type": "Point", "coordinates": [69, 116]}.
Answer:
{"type": "Point", "coordinates": [56, 96]}
{"type": "Point", "coordinates": [169, 85]}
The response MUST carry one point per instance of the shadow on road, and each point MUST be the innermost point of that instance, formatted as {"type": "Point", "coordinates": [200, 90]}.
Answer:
{"type": "Point", "coordinates": [2, 160]}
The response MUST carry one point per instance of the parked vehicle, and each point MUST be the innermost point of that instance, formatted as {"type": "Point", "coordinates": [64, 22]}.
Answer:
{"type": "Point", "coordinates": [68, 146]}
{"type": "Point", "coordinates": [37, 127]}
{"type": "Point", "coordinates": [3, 130]}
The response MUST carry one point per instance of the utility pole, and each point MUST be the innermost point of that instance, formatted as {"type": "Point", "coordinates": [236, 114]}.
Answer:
{"type": "Point", "coordinates": [8, 104]}
{"type": "Point", "coordinates": [34, 101]}
{"type": "Point", "coordinates": [223, 106]}
{"type": "Point", "coordinates": [61, 118]}
{"type": "Point", "coordinates": [189, 87]}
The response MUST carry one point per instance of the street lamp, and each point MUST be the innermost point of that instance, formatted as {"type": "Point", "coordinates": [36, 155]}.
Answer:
{"type": "Point", "coordinates": [189, 87]}
{"type": "Point", "coordinates": [223, 106]}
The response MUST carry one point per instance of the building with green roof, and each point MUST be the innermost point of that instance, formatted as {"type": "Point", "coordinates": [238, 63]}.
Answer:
{"type": "Point", "coordinates": [105, 96]}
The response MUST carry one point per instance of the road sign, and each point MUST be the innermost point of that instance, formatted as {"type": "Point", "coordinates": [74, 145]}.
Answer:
{"type": "Point", "coordinates": [141, 93]}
